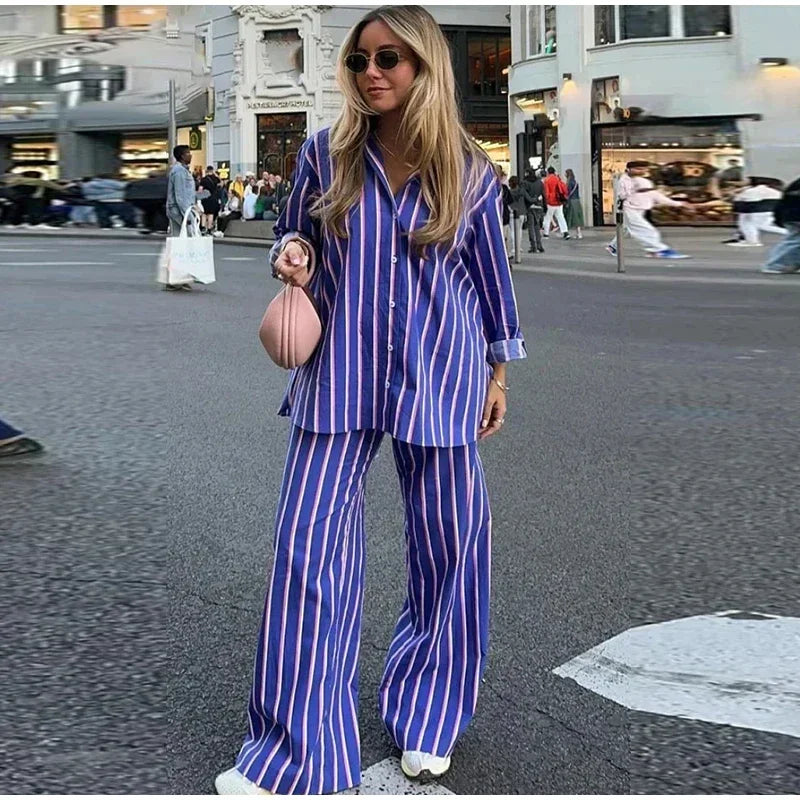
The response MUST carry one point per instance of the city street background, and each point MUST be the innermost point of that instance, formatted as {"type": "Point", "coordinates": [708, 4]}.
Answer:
{"type": "Point", "coordinates": [648, 471]}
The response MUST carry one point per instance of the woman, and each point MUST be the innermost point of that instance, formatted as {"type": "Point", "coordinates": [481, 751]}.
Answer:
{"type": "Point", "coordinates": [232, 211]}
{"type": "Point", "coordinates": [399, 213]}
{"type": "Point", "coordinates": [210, 183]}
{"type": "Point", "coordinates": [573, 210]}
{"type": "Point", "coordinates": [237, 186]}
{"type": "Point", "coordinates": [265, 204]}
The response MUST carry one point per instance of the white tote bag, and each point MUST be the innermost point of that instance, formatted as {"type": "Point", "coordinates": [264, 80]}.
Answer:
{"type": "Point", "coordinates": [186, 259]}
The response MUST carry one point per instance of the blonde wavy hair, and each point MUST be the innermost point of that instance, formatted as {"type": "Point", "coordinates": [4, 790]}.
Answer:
{"type": "Point", "coordinates": [431, 121]}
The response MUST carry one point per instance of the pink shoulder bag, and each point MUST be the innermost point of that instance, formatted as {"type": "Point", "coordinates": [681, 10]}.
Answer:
{"type": "Point", "coordinates": [291, 328]}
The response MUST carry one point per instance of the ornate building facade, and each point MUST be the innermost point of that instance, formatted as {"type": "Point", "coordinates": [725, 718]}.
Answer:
{"type": "Point", "coordinates": [274, 77]}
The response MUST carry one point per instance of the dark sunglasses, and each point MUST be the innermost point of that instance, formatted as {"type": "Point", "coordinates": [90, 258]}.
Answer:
{"type": "Point", "coordinates": [384, 60]}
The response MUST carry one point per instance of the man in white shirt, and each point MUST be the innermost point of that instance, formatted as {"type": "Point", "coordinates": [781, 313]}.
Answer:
{"type": "Point", "coordinates": [637, 195]}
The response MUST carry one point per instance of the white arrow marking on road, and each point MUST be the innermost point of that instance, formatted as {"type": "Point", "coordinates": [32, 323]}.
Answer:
{"type": "Point", "coordinates": [733, 668]}
{"type": "Point", "coordinates": [386, 777]}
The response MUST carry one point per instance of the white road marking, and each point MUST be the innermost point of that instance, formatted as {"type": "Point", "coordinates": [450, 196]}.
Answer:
{"type": "Point", "coordinates": [238, 258]}
{"type": "Point", "coordinates": [745, 358]}
{"type": "Point", "coordinates": [26, 250]}
{"type": "Point", "coordinates": [732, 668]}
{"type": "Point", "coordinates": [386, 777]}
{"type": "Point", "coordinates": [58, 264]}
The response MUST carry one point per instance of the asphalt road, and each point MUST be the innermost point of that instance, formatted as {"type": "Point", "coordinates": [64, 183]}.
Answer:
{"type": "Point", "coordinates": [648, 471]}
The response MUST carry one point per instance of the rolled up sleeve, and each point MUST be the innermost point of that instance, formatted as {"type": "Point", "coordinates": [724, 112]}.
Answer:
{"type": "Point", "coordinates": [491, 274]}
{"type": "Point", "coordinates": [295, 221]}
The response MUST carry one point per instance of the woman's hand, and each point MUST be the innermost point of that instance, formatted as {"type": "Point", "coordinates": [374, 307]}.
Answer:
{"type": "Point", "coordinates": [291, 266]}
{"type": "Point", "coordinates": [494, 411]}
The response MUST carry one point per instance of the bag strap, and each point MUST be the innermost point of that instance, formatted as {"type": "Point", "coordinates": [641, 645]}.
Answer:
{"type": "Point", "coordinates": [195, 222]}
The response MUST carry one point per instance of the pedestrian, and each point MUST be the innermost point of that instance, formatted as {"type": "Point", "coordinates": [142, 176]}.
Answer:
{"type": "Point", "coordinates": [281, 189]}
{"type": "Point", "coordinates": [249, 205]}
{"type": "Point", "coordinates": [237, 186]}
{"type": "Point", "coordinates": [785, 256]}
{"type": "Point", "coordinates": [533, 196]}
{"type": "Point", "coordinates": [637, 195]}
{"type": "Point", "coordinates": [573, 209]}
{"type": "Point", "coordinates": [419, 320]}
{"type": "Point", "coordinates": [755, 207]}
{"type": "Point", "coordinates": [265, 204]}
{"type": "Point", "coordinates": [14, 443]}
{"type": "Point", "coordinates": [507, 201]}
{"type": "Point", "coordinates": [181, 196]}
{"type": "Point", "coordinates": [518, 211]}
{"type": "Point", "coordinates": [250, 185]}
{"type": "Point", "coordinates": [210, 204]}
{"type": "Point", "coordinates": [232, 211]}
{"type": "Point", "coordinates": [107, 195]}
{"type": "Point", "coordinates": [555, 195]}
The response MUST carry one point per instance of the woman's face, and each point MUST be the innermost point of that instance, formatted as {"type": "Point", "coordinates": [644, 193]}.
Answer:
{"type": "Point", "coordinates": [384, 91]}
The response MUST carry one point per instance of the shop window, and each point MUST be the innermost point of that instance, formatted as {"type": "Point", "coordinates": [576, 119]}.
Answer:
{"type": "Point", "coordinates": [79, 19]}
{"type": "Point", "coordinates": [489, 59]}
{"type": "Point", "coordinates": [549, 29]}
{"type": "Point", "coordinates": [706, 20]}
{"type": "Point", "coordinates": [619, 23]}
{"type": "Point", "coordinates": [143, 154]}
{"type": "Point", "coordinates": [604, 25]}
{"type": "Point", "coordinates": [699, 164]}
{"type": "Point", "coordinates": [534, 30]}
{"type": "Point", "coordinates": [644, 22]}
{"type": "Point", "coordinates": [36, 156]}
{"type": "Point", "coordinates": [140, 16]}
{"type": "Point", "coordinates": [281, 57]}
{"type": "Point", "coordinates": [541, 29]}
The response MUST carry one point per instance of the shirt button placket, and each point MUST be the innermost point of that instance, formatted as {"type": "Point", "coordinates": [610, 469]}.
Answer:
{"type": "Point", "coordinates": [392, 304]}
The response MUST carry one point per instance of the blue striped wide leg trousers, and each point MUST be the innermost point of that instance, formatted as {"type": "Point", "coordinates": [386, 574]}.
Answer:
{"type": "Point", "coordinates": [303, 736]}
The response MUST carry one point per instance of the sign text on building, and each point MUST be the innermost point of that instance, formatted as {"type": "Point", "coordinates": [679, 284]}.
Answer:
{"type": "Point", "coordinates": [273, 104]}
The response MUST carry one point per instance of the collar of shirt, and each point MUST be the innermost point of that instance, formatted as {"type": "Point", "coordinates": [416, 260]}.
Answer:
{"type": "Point", "coordinates": [375, 160]}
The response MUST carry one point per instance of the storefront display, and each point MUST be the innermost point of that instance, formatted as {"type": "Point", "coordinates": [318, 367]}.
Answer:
{"type": "Point", "coordinates": [492, 138]}
{"type": "Point", "coordinates": [700, 164]}
{"type": "Point", "coordinates": [143, 154]}
{"type": "Point", "coordinates": [35, 155]}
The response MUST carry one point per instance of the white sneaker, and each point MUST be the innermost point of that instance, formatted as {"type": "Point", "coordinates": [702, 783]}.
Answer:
{"type": "Point", "coordinates": [218, 235]}
{"type": "Point", "coordinates": [233, 782]}
{"type": "Point", "coordinates": [423, 766]}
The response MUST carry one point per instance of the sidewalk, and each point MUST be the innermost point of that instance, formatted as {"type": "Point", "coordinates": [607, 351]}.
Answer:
{"type": "Point", "coordinates": [711, 261]}
{"type": "Point", "coordinates": [117, 234]}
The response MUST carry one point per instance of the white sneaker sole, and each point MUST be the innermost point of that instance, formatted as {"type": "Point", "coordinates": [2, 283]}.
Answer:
{"type": "Point", "coordinates": [232, 782]}
{"type": "Point", "coordinates": [433, 768]}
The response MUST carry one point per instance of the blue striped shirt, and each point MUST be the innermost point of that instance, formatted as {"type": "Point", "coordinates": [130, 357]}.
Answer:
{"type": "Point", "coordinates": [407, 341]}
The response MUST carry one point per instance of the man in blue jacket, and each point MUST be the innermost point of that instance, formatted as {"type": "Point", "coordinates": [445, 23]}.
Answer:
{"type": "Point", "coordinates": [181, 191]}
{"type": "Point", "coordinates": [181, 196]}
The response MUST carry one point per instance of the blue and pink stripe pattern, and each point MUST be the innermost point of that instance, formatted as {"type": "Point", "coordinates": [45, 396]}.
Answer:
{"type": "Point", "coordinates": [407, 341]}
{"type": "Point", "coordinates": [303, 710]}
